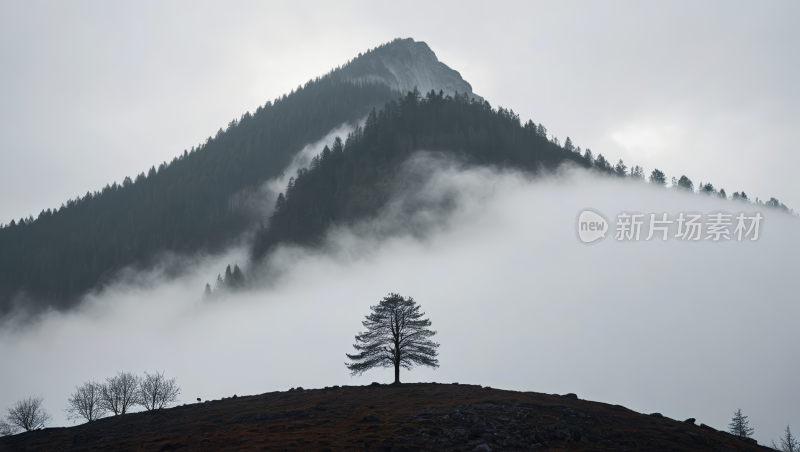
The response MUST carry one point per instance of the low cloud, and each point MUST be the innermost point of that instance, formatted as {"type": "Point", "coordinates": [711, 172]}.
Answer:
{"type": "Point", "coordinates": [685, 329]}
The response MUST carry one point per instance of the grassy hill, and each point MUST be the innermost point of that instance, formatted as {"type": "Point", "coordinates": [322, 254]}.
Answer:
{"type": "Point", "coordinates": [407, 417]}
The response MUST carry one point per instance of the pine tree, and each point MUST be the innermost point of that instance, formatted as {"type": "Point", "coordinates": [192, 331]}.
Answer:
{"type": "Point", "coordinates": [685, 183]}
{"type": "Point", "coordinates": [568, 146]}
{"type": "Point", "coordinates": [396, 336]}
{"type": "Point", "coordinates": [228, 281]}
{"type": "Point", "coordinates": [621, 169]}
{"type": "Point", "coordinates": [738, 427]}
{"type": "Point", "coordinates": [789, 442]}
{"type": "Point", "coordinates": [237, 277]}
{"type": "Point", "coordinates": [658, 177]}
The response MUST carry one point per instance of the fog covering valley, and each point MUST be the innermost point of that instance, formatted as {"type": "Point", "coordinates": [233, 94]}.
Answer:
{"type": "Point", "coordinates": [684, 329]}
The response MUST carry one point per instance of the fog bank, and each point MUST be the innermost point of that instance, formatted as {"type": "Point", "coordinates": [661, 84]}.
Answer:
{"type": "Point", "coordinates": [684, 329]}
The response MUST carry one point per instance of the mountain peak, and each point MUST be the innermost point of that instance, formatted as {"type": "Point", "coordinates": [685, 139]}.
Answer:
{"type": "Point", "coordinates": [404, 64]}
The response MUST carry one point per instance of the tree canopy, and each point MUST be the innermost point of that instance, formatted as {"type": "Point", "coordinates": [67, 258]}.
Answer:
{"type": "Point", "coordinates": [397, 336]}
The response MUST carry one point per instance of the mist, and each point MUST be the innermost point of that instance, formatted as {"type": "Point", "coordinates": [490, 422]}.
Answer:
{"type": "Point", "coordinates": [684, 329]}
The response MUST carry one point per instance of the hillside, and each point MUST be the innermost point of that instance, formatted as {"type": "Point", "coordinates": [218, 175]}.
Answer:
{"type": "Point", "coordinates": [408, 417]}
{"type": "Point", "coordinates": [354, 178]}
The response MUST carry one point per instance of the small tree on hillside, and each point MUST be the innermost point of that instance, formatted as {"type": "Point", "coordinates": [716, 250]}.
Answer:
{"type": "Point", "coordinates": [28, 414]}
{"type": "Point", "coordinates": [7, 429]}
{"type": "Point", "coordinates": [86, 403]}
{"type": "Point", "coordinates": [738, 426]}
{"type": "Point", "coordinates": [396, 336]}
{"type": "Point", "coordinates": [121, 392]}
{"type": "Point", "coordinates": [156, 392]}
{"type": "Point", "coordinates": [789, 442]}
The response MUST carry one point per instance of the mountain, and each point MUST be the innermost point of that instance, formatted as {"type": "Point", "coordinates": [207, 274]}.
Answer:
{"type": "Point", "coordinates": [387, 418]}
{"type": "Point", "coordinates": [403, 65]}
{"type": "Point", "coordinates": [208, 196]}
{"type": "Point", "coordinates": [201, 200]}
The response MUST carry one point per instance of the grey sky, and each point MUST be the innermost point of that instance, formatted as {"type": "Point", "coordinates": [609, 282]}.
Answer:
{"type": "Point", "coordinates": [94, 91]}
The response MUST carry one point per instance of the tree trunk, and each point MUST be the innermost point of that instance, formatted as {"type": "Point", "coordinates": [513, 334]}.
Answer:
{"type": "Point", "coordinates": [397, 373]}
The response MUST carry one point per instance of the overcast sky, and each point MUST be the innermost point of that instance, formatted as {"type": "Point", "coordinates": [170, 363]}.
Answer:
{"type": "Point", "coordinates": [95, 91]}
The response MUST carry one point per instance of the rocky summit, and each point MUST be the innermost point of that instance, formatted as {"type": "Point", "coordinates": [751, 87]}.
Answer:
{"type": "Point", "coordinates": [407, 417]}
{"type": "Point", "coordinates": [404, 64]}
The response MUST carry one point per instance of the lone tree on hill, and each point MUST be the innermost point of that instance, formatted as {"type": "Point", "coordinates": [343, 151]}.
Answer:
{"type": "Point", "coordinates": [738, 426]}
{"type": "Point", "coordinates": [396, 335]}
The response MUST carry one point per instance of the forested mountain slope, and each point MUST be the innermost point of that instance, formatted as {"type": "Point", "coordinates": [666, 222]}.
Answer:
{"type": "Point", "coordinates": [353, 179]}
{"type": "Point", "coordinates": [193, 203]}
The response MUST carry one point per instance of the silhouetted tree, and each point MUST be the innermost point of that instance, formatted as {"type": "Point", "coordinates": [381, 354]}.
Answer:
{"type": "Point", "coordinates": [776, 204]}
{"type": "Point", "coordinates": [602, 164]}
{"type": "Point", "coordinates": [228, 276]}
{"type": "Point", "coordinates": [637, 173]}
{"type": "Point", "coordinates": [157, 392]}
{"type": "Point", "coordinates": [8, 429]}
{"type": "Point", "coordinates": [621, 169]}
{"type": "Point", "coordinates": [397, 336]}
{"type": "Point", "coordinates": [86, 403]}
{"type": "Point", "coordinates": [237, 277]}
{"type": "Point", "coordinates": [685, 183]}
{"type": "Point", "coordinates": [658, 177]}
{"type": "Point", "coordinates": [28, 414]}
{"type": "Point", "coordinates": [789, 442]}
{"type": "Point", "coordinates": [568, 146]}
{"type": "Point", "coordinates": [738, 425]}
{"type": "Point", "coordinates": [121, 392]}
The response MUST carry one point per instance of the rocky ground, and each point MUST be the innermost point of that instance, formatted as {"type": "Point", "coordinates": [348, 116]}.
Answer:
{"type": "Point", "coordinates": [408, 417]}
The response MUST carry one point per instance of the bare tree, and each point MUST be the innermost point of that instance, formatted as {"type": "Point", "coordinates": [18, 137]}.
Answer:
{"type": "Point", "coordinates": [789, 442]}
{"type": "Point", "coordinates": [120, 393]}
{"type": "Point", "coordinates": [7, 429]}
{"type": "Point", "coordinates": [86, 403]}
{"type": "Point", "coordinates": [396, 336]}
{"type": "Point", "coordinates": [156, 392]}
{"type": "Point", "coordinates": [28, 414]}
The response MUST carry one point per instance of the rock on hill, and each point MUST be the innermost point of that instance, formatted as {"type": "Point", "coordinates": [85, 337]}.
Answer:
{"type": "Point", "coordinates": [408, 417]}
{"type": "Point", "coordinates": [404, 64]}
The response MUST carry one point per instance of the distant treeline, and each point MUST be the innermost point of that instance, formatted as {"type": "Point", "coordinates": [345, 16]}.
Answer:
{"type": "Point", "coordinates": [190, 204]}
{"type": "Point", "coordinates": [352, 179]}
